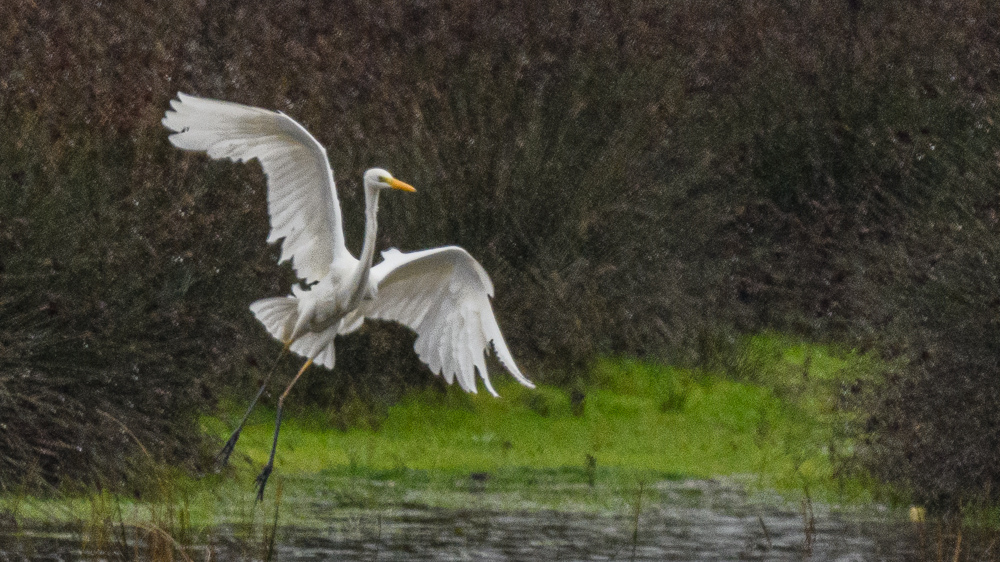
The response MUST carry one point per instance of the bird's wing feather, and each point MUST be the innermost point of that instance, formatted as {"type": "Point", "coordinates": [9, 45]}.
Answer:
{"type": "Point", "coordinates": [443, 294]}
{"type": "Point", "coordinates": [301, 194]}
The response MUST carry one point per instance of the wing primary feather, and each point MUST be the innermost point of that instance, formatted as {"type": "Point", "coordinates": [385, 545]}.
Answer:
{"type": "Point", "coordinates": [443, 295]}
{"type": "Point", "coordinates": [302, 199]}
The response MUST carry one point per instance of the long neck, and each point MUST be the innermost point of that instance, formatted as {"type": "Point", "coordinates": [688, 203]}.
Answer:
{"type": "Point", "coordinates": [359, 281]}
{"type": "Point", "coordinates": [337, 223]}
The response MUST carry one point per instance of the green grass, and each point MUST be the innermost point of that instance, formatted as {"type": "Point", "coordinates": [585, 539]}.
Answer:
{"type": "Point", "coordinates": [777, 425]}
{"type": "Point", "coordinates": [773, 424]}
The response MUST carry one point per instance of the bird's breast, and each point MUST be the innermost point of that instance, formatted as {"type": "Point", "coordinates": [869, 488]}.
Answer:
{"type": "Point", "coordinates": [328, 311]}
{"type": "Point", "coordinates": [324, 306]}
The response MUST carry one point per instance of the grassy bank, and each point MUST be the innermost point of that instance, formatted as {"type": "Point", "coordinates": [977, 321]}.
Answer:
{"type": "Point", "coordinates": [776, 424]}
{"type": "Point", "coordinates": [772, 422]}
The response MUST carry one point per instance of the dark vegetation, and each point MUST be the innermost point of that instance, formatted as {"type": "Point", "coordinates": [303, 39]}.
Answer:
{"type": "Point", "coordinates": [646, 178]}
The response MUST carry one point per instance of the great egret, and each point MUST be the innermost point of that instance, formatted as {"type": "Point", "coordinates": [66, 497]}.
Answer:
{"type": "Point", "coordinates": [442, 294]}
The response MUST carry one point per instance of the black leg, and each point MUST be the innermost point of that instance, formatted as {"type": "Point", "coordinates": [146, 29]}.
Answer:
{"type": "Point", "coordinates": [223, 455]}
{"type": "Point", "coordinates": [265, 472]}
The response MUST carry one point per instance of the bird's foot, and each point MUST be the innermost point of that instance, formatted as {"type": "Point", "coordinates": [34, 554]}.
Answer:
{"type": "Point", "coordinates": [222, 458]}
{"type": "Point", "coordinates": [262, 480]}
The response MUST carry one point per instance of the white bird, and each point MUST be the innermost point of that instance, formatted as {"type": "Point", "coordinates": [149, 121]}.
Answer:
{"type": "Point", "coordinates": [442, 294]}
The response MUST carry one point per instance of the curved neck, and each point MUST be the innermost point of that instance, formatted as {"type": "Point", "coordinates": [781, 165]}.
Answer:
{"type": "Point", "coordinates": [359, 281]}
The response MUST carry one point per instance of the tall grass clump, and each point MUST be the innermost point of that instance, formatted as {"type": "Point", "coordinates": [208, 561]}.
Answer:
{"type": "Point", "coordinates": [106, 340]}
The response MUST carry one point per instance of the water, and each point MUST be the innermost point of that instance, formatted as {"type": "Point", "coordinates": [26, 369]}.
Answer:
{"type": "Point", "coordinates": [689, 520]}
{"type": "Point", "coordinates": [662, 535]}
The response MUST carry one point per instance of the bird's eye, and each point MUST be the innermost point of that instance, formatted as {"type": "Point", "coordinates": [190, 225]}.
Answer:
{"type": "Point", "coordinates": [383, 179]}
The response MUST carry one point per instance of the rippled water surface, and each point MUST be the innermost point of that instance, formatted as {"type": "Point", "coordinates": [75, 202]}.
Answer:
{"type": "Point", "coordinates": [689, 520]}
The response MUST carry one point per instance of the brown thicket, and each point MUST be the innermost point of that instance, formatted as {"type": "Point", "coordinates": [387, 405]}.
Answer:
{"type": "Point", "coordinates": [638, 177]}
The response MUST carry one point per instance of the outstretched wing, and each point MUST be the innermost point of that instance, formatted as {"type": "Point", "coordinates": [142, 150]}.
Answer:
{"type": "Point", "coordinates": [301, 195]}
{"type": "Point", "coordinates": [443, 294]}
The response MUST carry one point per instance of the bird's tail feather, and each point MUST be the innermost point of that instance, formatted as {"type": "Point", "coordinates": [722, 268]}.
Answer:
{"type": "Point", "coordinates": [278, 315]}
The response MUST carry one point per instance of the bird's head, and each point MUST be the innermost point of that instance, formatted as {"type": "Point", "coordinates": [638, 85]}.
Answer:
{"type": "Point", "coordinates": [378, 178]}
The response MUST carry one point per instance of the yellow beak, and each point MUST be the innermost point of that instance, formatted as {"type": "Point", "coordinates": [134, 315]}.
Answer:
{"type": "Point", "coordinates": [403, 186]}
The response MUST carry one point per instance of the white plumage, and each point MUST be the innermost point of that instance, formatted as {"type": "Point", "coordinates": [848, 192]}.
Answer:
{"type": "Point", "coordinates": [442, 294]}
{"type": "Point", "coordinates": [301, 194]}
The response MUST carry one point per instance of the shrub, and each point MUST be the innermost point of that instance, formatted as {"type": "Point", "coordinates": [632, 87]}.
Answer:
{"type": "Point", "coordinates": [638, 178]}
